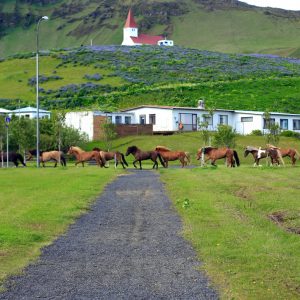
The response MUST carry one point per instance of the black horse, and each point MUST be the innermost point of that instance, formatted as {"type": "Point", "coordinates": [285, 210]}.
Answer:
{"type": "Point", "coordinates": [140, 155]}
{"type": "Point", "coordinates": [13, 157]}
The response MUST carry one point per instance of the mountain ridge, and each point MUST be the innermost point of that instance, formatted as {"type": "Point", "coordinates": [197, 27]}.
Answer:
{"type": "Point", "coordinates": [228, 26]}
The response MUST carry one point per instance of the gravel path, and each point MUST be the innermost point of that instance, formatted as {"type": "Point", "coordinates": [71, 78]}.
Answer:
{"type": "Point", "coordinates": [127, 247]}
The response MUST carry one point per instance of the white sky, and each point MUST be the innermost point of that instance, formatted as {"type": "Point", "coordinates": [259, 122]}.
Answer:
{"type": "Point", "coordinates": [285, 4]}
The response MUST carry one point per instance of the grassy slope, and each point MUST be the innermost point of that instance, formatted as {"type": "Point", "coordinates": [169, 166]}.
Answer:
{"type": "Point", "coordinates": [38, 205]}
{"type": "Point", "coordinates": [276, 90]}
{"type": "Point", "coordinates": [234, 31]}
{"type": "Point", "coordinates": [237, 31]}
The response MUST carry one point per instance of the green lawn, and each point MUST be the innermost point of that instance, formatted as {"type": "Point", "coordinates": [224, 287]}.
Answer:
{"type": "Point", "coordinates": [37, 205]}
{"type": "Point", "coordinates": [226, 214]}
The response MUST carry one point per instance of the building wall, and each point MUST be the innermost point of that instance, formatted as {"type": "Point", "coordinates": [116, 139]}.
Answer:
{"type": "Point", "coordinates": [82, 121]}
{"type": "Point", "coordinates": [164, 118]}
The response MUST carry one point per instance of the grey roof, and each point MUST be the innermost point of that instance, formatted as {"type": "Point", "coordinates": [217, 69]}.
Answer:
{"type": "Point", "coordinates": [4, 111]}
{"type": "Point", "coordinates": [29, 109]}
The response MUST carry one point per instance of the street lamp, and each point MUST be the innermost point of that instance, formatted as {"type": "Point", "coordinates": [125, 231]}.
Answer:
{"type": "Point", "coordinates": [37, 93]}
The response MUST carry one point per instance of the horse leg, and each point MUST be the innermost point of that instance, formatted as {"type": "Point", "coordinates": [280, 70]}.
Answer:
{"type": "Point", "coordinates": [155, 165]}
{"type": "Point", "coordinates": [140, 164]}
{"type": "Point", "coordinates": [135, 164]}
{"type": "Point", "coordinates": [213, 162]}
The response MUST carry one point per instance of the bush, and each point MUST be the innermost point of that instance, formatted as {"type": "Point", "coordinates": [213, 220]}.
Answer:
{"type": "Point", "coordinates": [224, 137]}
{"type": "Point", "coordinates": [256, 132]}
{"type": "Point", "coordinates": [290, 133]}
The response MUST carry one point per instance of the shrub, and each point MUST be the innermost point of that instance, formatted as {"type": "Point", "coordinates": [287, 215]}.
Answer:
{"type": "Point", "coordinates": [290, 133]}
{"type": "Point", "coordinates": [256, 132]}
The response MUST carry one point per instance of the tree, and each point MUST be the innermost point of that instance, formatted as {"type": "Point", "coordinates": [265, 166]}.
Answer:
{"type": "Point", "coordinates": [273, 129]}
{"type": "Point", "coordinates": [225, 136]}
{"type": "Point", "coordinates": [58, 121]}
{"type": "Point", "coordinates": [109, 132]}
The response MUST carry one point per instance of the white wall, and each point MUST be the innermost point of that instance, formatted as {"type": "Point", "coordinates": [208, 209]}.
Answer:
{"type": "Point", "coordinates": [164, 117]}
{"type": "Point", "coordinates": [82, 121]}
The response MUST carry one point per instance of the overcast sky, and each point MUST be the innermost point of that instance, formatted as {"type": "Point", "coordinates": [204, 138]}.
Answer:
{"type": "Point", "coordinates": [285, 4]}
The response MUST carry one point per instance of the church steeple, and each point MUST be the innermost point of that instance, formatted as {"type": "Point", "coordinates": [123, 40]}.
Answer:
{"type": "Point", "coordinates": [130, 22]}
{"type": "Point", "coordinates": [130, 30]}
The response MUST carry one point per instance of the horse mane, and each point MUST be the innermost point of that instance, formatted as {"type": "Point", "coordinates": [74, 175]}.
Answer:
{"type": "Point", "coordinates": [78, 149]}
{"type": "Point", "coordinates": [162, 148]}
{"type": "Point", "coordinates": [251, 148]}
{"type": "Point", "coordinates": [208, 149]}
{"type": "Point", "coordinates": [270, 146]}
{"type": "Point", "coordinates": [96, 149]}
{"type": "Point", "coordinates": [133, 148]}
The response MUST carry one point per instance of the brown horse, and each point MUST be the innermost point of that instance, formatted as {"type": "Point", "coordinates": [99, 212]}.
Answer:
{"type": "Point", "coordinates": [56, 156]}
{"type": "Point", "coordinates": [82, 156]}
{"type": "Point", "coordinates": [53, 155]}
{"type": "Point", "coordinates": [258, 153]}
{"type": "Point", "coordinates": [140, 155]}
{"type": "Point", "coordinates": [169, 155]}
{"type": "Point", "coordinates": [217, 153]}
{"type": "Point", "coordinates": [117, 156]}
{"type": "Point", "coordinates": [290, 152]}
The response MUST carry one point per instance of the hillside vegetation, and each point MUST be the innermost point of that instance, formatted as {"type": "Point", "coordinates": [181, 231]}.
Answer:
{"type": "Point", "coordinates": [226, 25]}
{"type": "Point", "coordinates": [115, 77]}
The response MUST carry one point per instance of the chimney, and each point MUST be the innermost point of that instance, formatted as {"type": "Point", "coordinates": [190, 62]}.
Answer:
{"type": "Point", "coordinates": [201, 104]}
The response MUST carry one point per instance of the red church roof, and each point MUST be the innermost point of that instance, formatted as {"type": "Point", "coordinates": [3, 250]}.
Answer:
{"type": "Point", "coordinates": [147, 39]}
{"type": "Point", "coordinates": [130, 22]}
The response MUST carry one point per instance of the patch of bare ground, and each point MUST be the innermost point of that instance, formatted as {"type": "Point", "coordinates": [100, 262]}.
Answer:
{"type": "Point", "coordinates": [247, 193]}
{"type": "Point", "coordinates": [286, 220]}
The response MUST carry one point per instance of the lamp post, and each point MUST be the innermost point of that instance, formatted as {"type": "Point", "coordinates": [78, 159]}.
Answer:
{"type": "Point", "coordinates": [37, 93]}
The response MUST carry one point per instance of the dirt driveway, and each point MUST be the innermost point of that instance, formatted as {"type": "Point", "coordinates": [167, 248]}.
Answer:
{"type": "Point", "coordinates": [127, 247]}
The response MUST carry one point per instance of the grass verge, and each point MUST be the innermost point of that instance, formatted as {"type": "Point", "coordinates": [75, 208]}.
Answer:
{"type": "Point", "coordinates": [38, 205]}
{"type": "Point", "coordinates": [227, 217]}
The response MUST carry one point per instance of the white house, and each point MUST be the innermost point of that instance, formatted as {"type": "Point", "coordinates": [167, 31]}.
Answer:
{"type": "Point", "coordinates": [131, 36]}
{"type": "Point", "coordinates": [168, 118]}
{"type": "Point", "coordinates": [31, 113]}
{"type": "Point", "coordinates": [4, 111]}
{"type": "Point", "coordinates": [84, 121]}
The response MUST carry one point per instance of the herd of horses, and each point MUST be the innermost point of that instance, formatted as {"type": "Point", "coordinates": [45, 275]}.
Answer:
{"type": "Point", "coordinates": [160, 153]}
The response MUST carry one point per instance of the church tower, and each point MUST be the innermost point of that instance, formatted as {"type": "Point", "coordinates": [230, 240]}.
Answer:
{"type": "Point", "coordinates": [130, 30]}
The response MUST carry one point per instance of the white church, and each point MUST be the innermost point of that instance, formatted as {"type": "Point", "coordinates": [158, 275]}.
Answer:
{"type": "Point", "coordinates": [131, 36]}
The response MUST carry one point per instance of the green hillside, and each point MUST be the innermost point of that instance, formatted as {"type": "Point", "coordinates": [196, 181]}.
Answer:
{"type": "Point", "coordinates": [225, 26]}
{"type": "Point", "coordinates": [115, 77]}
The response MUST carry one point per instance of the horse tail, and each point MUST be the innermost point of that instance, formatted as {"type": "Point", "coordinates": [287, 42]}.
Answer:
{"type": "Point", "coordinates": [123, 159]}
{"type": "Point", "coordinates": [236, 157]}
{"type": "Point", "coordinates": [187, 157]}
{"type": "Point", "coordinates": [63, 160]}
{"type": "Point", "coordinates": [280, 157]}
{"type": "Point", "coordinates": [161, 160]}
{"type": "Point", "coordinates": [21, 159]}
{"type": "Point", "coordinates": [102, 159]}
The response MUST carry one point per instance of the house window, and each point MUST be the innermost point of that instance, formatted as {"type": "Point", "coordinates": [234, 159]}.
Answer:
{"type": "Point", "coordinates": [127, 120]}
{"type": "Point", "coordinates": [284, 124]}
{"type": "Point", "coordinates": [142, 119]}
{"type": "Point", "coordinates": [152, 119]}
{"type": "Point", "coordinates": [268, 123]}
{"type": "Point", "coordinates": [246, 119]}
{"type": "Point", "coordinates": [208, 119]}
{"type": "Point", "coordinates": [223, 119]}
{"type": "Point", "coordinates": [296, 124]}
{"type": "Point", "coordinates": [27, 116]}
{"type": "Point", "coordinates": [118, 120]}
{"type": "Point", "coordinates": [188, 121]}
{"type": "Point", "coordinates": [109, 119]}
